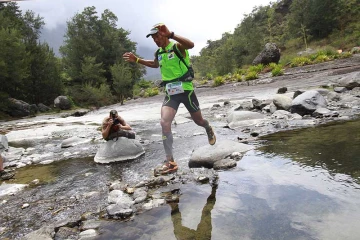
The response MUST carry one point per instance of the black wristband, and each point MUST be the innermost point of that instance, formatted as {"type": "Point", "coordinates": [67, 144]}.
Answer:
{"type": "Point", "coordinates": [171, 35]}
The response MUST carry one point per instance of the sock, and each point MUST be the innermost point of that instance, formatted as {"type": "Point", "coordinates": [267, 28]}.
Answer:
{"type": "Point", "coordinates": [168, 142]}
{"type": "Point", "coordinates": [206, 125]}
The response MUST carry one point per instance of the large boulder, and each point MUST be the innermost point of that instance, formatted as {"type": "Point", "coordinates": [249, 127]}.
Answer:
{"type": "Point", "coordinates": [43, 108]}
{"type": "Point", "coordinates": [208, 155]}
{"type": "Point", "coordinates": [18, 108]}
{"type": "Point", "coordinates": [307, 102]}
{"type": "Point", "coordinates": [350, 81]}
{"type": "Point", "coordinates": [271, 54]}
{"type": "Point", "coordinates": [120, 150]}
{"type": "Point", "coordinates": [62, 102]}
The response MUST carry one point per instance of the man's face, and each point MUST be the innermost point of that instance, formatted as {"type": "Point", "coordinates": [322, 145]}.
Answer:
{"type": "Point", "coordinates": [113, 114]}
{"type": "Point", "coordinates": [159, 40]}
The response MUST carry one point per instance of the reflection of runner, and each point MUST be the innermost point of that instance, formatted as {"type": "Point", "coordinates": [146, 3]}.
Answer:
{"type": "Point", "coordinates": [204, 228]}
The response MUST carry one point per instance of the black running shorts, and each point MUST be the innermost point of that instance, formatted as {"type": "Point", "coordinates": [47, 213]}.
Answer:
{"type": "Point", "coordinates": [188, 98]}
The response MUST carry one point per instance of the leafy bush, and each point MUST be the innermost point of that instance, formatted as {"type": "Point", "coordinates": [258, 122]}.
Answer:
{"type": "Point", "coordinates": [149, 92]}
{"type": "Point", "coordinates": [322, 58]}
{"type": "Point", "coordinates": [218, 81]}
{"type": "Point", "coordinates": [209, 76]}
{"type": "Point", "coordinates": [300, 61]}
{"type": "Point", "coordinates": [144, 84]}
{"type": "Point", "coordinates": [258, 68]}
{"type": "Point", "coordinates": [251, 75]}
{"type": "Point", "coordinates": [203, 82]}
{"type": "Point", "coordinates": [238, 77]}
{"type": "Point", "coordinates": [345, 55]}
{"type": "Point", "coordinates": [272, 66]}
{"type": "Point", "coordinates": [240, 71]}
{"type": "Point", "coordinates": [277, 71]}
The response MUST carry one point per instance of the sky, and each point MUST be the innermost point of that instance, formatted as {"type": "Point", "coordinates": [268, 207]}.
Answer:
{"type": "Point", "coordinates": [197, 20]}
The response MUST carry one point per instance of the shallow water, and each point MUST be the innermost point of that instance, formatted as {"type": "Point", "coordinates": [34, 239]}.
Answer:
{"type": "Point", "coordinates": [301, 184]}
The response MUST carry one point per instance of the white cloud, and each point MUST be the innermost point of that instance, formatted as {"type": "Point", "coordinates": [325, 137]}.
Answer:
{"type": "Point", "coordinates": [198, 20]}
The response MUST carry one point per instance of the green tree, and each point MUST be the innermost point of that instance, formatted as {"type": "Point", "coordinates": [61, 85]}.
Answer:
{"type": "Point", "coordinates": [14, 68]}
{"type": "Point", "coordinates": [122, 82]}
{"type": "Point", "coordinates": [92, 72]}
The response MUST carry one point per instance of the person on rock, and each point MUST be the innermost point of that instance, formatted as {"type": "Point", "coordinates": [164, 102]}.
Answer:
{"type": "Point", "coordinates": [4, 175]}
{"type": "Point", "coordinates": [177, 74]}
{"type": "Point", "coordinates": [114, 126]}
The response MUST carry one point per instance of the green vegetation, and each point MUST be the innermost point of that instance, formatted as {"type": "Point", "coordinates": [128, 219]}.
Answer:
{"type": "Point", "coordinates": [277, 71]}
{"type": "Point", "coordinates": [218, 81]}
{"type": "Point", "coordinates": [91, 71]}
{"type": "Point", "coordinates": [251, 75]}
{"type": "Point", "coordinates": [293, 26]}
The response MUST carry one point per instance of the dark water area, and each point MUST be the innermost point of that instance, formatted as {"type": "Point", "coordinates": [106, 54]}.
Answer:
{"type": "Point", "coordinates": [301, 184]}
{"type": "Point", "coordinates": [333, 147]}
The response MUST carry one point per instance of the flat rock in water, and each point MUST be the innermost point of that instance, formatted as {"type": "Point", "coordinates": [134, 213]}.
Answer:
{"type": "Point", "coordinates": [120, 150]}
{"type": "Point", "coordinates": [206, 156]}
{"type": "Point", "coordinates": [10, 189]}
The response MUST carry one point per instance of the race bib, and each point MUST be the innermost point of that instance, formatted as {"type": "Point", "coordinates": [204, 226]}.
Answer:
{"type": "Point", "coordinates": [174, 88]}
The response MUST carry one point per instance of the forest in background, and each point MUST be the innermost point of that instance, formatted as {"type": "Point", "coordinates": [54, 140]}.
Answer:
{"type": "Point", "coordinates": [293, 25]}
{"type": "Point", "coordinates": [91, 71]}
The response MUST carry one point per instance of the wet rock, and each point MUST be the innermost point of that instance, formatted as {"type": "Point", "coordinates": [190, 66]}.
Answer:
{"type": "Point", "coordinates": [66, 233]}
{"type": "Point", "coordinates": [44, 233]}
{"type": "Point", "coordinates": [120, 150]}
{"type": "Point", "coordinates": [350, 81]}
{"type": "Point", "coordinates": [118, 185]}
{"type": "Point", "coordinates": [25, 205]}
{"type": "Point", "coordinates": [89, 216]}
{"type": "Point", "coordinates": [140, 195]}
{"type": "Point", "coordinates": [119, 210]}
{"type": "Point", "coordinates": [297, 93]}
{"type": "Point", "coordinates": [88, 234]}
{"type": "Point", "coordinates": [282, 102]}
{"type": "Point", "coordinates": [11, 189]}
{"type": "Point", "coordinates": [282, 90]}
{"type": "Point", "coordinates": [153, 204]}
{"type": "Point", "coordinates": [333, 96]}
{"type": "Point", "coordinates": [118, 196]}
{"type": "Point", "coordinates": [202, 179]}
{"type": "Point", "coordinates": [245, 105]}
{"type": "Point", "coordinates": [206, 156]}
{"type": "Point", "coordinates": [130, 190]}
{"type": "Point", "coordinates": [70, 142]}
{"type": "Point", "coordinates": [322, 112]}
{"type": "Point", "coordinates": [90, 224]}
{"type": "Point", "coordinates": [225, 163]}
{"type": "Point", "coordinates": [307, 102]}
{"type": "Point", "coordinates": [244, 118]}
{"type": "Point", "coordinates": [282, 114]}
{"type": "Point", "coordinates": [340, 89]}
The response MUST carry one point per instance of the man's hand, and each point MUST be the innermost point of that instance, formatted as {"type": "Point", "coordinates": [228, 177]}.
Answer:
{"type": "Point", "coordinates": [163, 30]}
{"type": "Point", "coordinates": [110, 122]}
{"type": "Point", "coordinates": [129, 57]}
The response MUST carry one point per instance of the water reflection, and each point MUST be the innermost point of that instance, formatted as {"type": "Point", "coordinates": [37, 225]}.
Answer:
{"type": "Point", "coordinates": [204, 228]}
{"type": "Point", "coordinates": [335, 148]}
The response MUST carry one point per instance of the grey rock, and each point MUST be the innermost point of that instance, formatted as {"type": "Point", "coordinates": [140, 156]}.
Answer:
{"type": "Point", "coordinates": [120, 150]}
{"type": "Point", "coordinates": [206, 156]}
